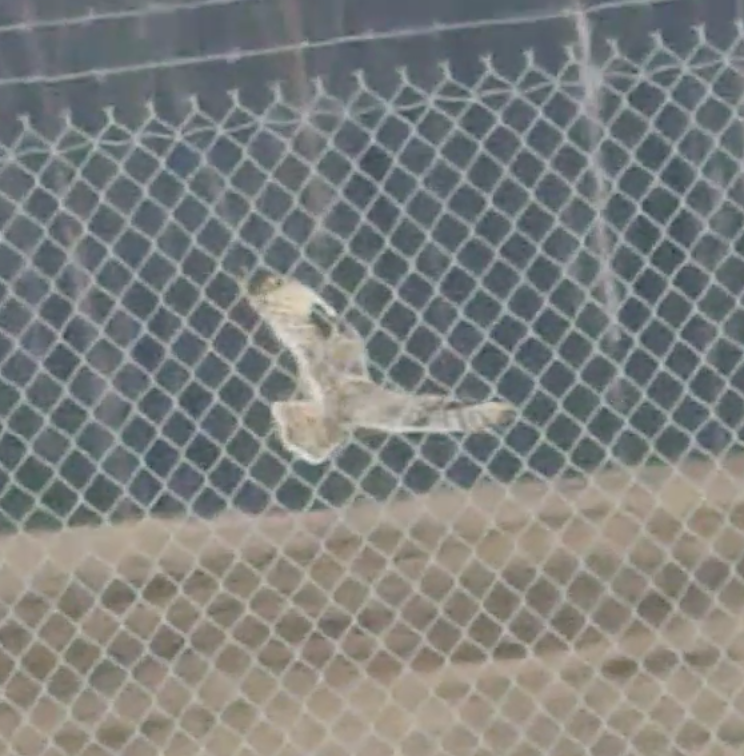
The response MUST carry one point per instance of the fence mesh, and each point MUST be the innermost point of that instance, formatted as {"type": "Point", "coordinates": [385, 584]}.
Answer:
{"type": "Point", "coordinates": [564, 235]}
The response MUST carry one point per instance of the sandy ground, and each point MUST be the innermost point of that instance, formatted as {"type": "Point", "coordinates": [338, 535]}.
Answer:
{"type": "Point", "coordinates": [603, 616]}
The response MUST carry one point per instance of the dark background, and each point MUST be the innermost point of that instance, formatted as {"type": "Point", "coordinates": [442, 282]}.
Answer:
{"type": "Point", "coordinates": [452, 216]}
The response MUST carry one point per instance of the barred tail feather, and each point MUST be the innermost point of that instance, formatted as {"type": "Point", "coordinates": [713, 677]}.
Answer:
{"type": "Point", "coordinates": [466, 418]}
{"type": "Point", "coordinates": [395, 412]}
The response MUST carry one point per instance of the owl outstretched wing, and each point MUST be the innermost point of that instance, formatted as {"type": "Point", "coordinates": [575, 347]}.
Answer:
{"type": "Point", "coordinates": [373, 407]}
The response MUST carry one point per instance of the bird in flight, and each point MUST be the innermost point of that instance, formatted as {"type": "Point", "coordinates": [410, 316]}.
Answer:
{"type": "Point", "coordinates": [335, 394]}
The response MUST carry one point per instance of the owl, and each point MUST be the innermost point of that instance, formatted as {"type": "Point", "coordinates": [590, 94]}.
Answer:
{"type": "Point", "coordinates": [335, 395]}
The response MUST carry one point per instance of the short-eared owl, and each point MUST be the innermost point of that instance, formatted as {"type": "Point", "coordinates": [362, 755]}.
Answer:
{"type": "Point", "coordinates": [335, 393]}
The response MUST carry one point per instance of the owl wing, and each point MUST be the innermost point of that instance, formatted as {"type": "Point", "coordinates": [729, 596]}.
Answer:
{"type": "Point", "coordinates": [307, 349]}
{"type": "Point", "coordinates": [346, 352]}
{"type": "Point", "coordinates": [322, 346]}
{"type": "Point", "coordinates": [375, 407]}
{"type": "Point", "coordinates": [341, 348]}
{"type": "Point", "coordinates": [321, 355]}
{"type": "Point", "coordinates": [306, 431]}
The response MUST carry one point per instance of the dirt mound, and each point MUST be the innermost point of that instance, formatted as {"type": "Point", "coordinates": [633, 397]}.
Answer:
{"type": "Point", "coordinates": [576, 617]}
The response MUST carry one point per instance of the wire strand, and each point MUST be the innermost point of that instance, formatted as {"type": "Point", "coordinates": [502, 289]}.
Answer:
{"type": "Point", "coordinates": [238, 55]}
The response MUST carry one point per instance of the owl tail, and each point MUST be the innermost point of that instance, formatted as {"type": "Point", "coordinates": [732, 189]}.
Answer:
{"type": "Point", "coordinates": [305, 431]}
{"type": "Point", "coordinates": [449, 417]}
{"type": "Point", "coordinates": [395, 412]}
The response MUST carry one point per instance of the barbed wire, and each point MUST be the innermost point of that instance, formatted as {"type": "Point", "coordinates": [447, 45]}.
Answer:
{"type": "Point", "coordinates": [162, 9]}
{"type": "Point", "coordinates": [293, 116]}
{"type": "Point", "coordinates": [126, 14]}
{"type": "Point", "coordinates": [237, 55]}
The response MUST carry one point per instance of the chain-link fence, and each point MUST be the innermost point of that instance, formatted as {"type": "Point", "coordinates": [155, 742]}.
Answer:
{"type": "Point", "coordinates": [564, 235]}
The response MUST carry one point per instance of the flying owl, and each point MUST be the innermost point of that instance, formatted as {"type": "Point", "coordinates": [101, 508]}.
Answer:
{"type": "Point", "coordinates": [335, 394]}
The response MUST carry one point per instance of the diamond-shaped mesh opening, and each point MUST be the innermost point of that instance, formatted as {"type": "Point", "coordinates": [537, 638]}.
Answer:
{"type": "Point", "coordinates": [561, 233]}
